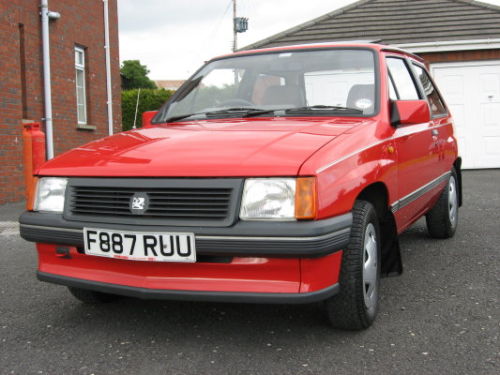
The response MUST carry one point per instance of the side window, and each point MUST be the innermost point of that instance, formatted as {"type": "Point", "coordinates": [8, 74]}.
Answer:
{"type": "Point", "coordinates": [404, 85]}
{"type": "Point", "coordinates": [437, 105]}
{"type": "Point", "coordinates": [81, 95]}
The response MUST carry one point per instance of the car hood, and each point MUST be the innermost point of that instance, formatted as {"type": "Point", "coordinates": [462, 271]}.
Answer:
{"type": "Point", "coordinates": [229, 147]}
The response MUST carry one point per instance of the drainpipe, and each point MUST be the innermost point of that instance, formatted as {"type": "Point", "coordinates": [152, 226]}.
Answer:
{"type": "Point", "coordinates": [47, 88]}
{"type": "Point", "coordinates": [108, 67]}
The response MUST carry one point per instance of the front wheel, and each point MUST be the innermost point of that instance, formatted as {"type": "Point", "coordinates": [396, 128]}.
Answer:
{"type": "Point", "coordinates": [442, 219]}
{"type": "Point", "coordinates": [356, 305]}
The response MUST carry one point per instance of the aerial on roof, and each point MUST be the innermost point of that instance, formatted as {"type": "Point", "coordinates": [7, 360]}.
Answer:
{"type": "Point", "coordinates": [396, 22]}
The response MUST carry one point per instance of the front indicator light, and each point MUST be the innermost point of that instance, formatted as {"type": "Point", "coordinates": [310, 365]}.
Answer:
{"type": "Point", "coordinates": [305, 198]}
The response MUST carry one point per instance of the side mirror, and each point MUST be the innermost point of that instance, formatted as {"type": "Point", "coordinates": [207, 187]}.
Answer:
{"type": "Point", "coordinates": [409, 112]}
{"type": "Point", "coordinates": [147, 117]}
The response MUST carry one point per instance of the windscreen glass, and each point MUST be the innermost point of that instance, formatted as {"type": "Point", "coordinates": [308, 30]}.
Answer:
{"type": "Point", "coordinates": [307, 82]}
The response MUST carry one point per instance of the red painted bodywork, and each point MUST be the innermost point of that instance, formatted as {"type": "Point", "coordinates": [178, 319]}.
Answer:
{"type": "Point", "coordinates": [412, 112]}
{"type": "Point", "coordinates": [147, 117]}
{"type": "Point", "coordinates": [346, 154]}
{"type": "Point", "coordinates": [256, 275]}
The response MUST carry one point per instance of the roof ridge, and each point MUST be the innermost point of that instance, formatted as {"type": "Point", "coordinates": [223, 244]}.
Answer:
{"type": "Point", "coordinates": [303, 25]}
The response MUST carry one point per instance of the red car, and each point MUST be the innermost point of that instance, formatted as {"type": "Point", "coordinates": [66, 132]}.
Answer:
{"type": "Point", "coordinates": [280, 175]}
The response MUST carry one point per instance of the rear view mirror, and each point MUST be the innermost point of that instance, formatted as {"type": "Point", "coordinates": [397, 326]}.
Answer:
{"type": "Point", "coordinates": [409, 112]}
{"type": "Point", "coordinates": [147, 117]}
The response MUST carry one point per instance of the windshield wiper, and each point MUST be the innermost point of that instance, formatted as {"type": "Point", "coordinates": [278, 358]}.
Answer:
{"type": "Point", "coordinates": [182, 117]}
{"type": "Point", "coordinates": [258, 112]}
{"type": "Point", "coordinates": [319, 108]}
{"type": "Point", "coordinates": [251, 112]}
{"type": "Point", "coordinates": [247, 112]}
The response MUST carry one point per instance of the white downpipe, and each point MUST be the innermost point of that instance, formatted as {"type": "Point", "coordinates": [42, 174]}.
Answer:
{"type": "Point", "coordinates": [108, 67]}
{"type": "Point", "coordinates": [47, 87]}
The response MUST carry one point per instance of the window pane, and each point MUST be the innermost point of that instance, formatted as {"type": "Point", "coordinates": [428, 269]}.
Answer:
{"type": "Point", "coordinates": [80, 96]}
{"type": "Point", "coordinates": [276, 81]}
{"type": "Point", "coordinates": [79, 78]}
{"type": "Point", "coordinates": [81, 114]}
{"type": "Point", "coordinates": [262, 83]}
{"type": "Point", "coordinates": [392, 91]}
{"type": "Point", "coordinates": [349, 87]}
{"type": "Point", "coordinates": [219, 87]}
{"type": "Point", "coordinates": [437, 106]}
{"type": "Point", "coordinates": [402, 79]}
{"type": "Point", "coordinates": [81, 100]}
{"type": "Point", "coordinates": [79, 60]}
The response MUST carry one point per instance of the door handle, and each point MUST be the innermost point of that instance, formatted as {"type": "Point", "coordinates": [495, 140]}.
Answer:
{"type": "Point", "coordinates": [435, 132]}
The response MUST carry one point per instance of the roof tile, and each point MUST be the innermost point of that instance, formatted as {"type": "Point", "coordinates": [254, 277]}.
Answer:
{"type": "Point", "coordinates": [396, 21]}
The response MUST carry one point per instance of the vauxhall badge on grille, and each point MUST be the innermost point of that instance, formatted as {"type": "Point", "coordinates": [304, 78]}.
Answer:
{"type": "Point", "coordinates": [139, 203]}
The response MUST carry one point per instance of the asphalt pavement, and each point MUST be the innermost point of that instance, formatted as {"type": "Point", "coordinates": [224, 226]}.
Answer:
{"type": "Point", "coordinates": [442, 316]}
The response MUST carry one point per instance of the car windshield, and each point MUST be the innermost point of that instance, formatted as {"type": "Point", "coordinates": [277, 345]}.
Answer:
{"type": "Point", "coordinates": [297, 83]}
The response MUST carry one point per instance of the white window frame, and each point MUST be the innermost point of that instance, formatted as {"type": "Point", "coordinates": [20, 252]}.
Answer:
{"type": "Point", "coordinates": [80, 67]}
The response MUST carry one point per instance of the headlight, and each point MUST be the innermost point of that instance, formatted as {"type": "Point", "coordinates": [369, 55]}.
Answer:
{"type": "Point", "coordinates": [50, 194]}
{"type": "Point", "coordinates": [278, 199]}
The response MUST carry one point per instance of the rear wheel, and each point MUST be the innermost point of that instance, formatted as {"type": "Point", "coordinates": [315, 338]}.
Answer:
{"type": "Point", "coordinates": [90, 296]}
{"type": "Point", "coordinates": [442, 219]}
{"type": "Point", "coordinates": [356, 305]}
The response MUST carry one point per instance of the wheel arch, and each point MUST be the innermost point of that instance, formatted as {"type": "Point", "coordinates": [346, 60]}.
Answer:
{"type": "Point", "coordinates": [378, 195]}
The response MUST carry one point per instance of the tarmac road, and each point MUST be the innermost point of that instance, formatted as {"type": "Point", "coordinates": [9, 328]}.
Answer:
{"type": "Point", "coordinates": [440, 317]}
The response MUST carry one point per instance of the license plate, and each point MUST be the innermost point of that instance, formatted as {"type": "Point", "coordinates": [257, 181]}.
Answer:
{"type": "Point", "coordinates": [143, 246]}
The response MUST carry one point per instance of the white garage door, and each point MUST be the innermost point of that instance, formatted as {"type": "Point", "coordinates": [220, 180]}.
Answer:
{"type": "Point", "coordinates": [472, 91]}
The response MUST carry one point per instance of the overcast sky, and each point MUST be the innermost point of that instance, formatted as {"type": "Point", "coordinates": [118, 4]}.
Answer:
{"type": "Point", "coordinates": [174, 37]}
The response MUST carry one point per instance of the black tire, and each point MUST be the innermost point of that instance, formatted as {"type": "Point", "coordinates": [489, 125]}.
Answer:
{"type": "Point", "coordinates": [350, 309]}
{"type": "Point", "coordinates": [442, 219]}
{"type": "Point", "coordinates": [91, 297]}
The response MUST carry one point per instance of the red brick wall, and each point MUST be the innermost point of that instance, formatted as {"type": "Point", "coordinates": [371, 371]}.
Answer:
{"type": "Point", "coordinates": [81, 23]}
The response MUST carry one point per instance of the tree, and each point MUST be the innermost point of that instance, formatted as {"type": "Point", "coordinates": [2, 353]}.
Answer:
{"type": "Point", "coordinates": [135, 76]}
{"type": "Point", "coordinates": [149, 100]}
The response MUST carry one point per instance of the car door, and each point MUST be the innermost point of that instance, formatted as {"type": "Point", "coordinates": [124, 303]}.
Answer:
{"type": "Point", "coordinates": [417, 149]}
{"type": "Point", "coordinates": [442, 128]}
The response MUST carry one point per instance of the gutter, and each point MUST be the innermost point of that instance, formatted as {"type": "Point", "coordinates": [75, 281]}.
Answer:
{"type": "Point", "coordinates": [108, 67]}
{"type": "Point", "coordinates": [451, 45]}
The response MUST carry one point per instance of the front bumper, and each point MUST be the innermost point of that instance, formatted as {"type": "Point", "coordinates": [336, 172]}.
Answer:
{"type": "Point", "coordinates": [189, 295]}
{"type": "Point", "coordinates": [271, 262]}
{"type": "Point", "coordinates": [245, 238]}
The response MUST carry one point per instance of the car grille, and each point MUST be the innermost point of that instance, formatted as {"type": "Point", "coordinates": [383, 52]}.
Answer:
{"type": "Point", "coordinates": [171, 201]}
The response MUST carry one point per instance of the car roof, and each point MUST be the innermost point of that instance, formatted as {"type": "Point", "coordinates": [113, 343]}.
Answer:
{"type": "Point", "coordinates": [312, 46]}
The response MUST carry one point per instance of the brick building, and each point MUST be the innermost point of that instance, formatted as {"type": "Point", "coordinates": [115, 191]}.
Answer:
{"type": "Point", "coordinates": [78, 67]}
{"type": "Point", "coordinates": [459, 39]}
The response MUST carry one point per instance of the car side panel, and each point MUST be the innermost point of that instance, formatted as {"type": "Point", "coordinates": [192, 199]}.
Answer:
{"type": "Point", "coordinates": [418, 164]}
{"type": "Point", "coordinates": [351, 163]}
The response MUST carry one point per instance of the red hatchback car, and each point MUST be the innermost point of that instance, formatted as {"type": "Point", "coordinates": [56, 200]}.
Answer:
{"type": "Point", "coordinates": [280, 175]}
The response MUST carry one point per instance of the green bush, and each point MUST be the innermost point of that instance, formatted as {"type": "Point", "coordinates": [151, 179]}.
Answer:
{"type": "Point", "coordinates": [149, 100]}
